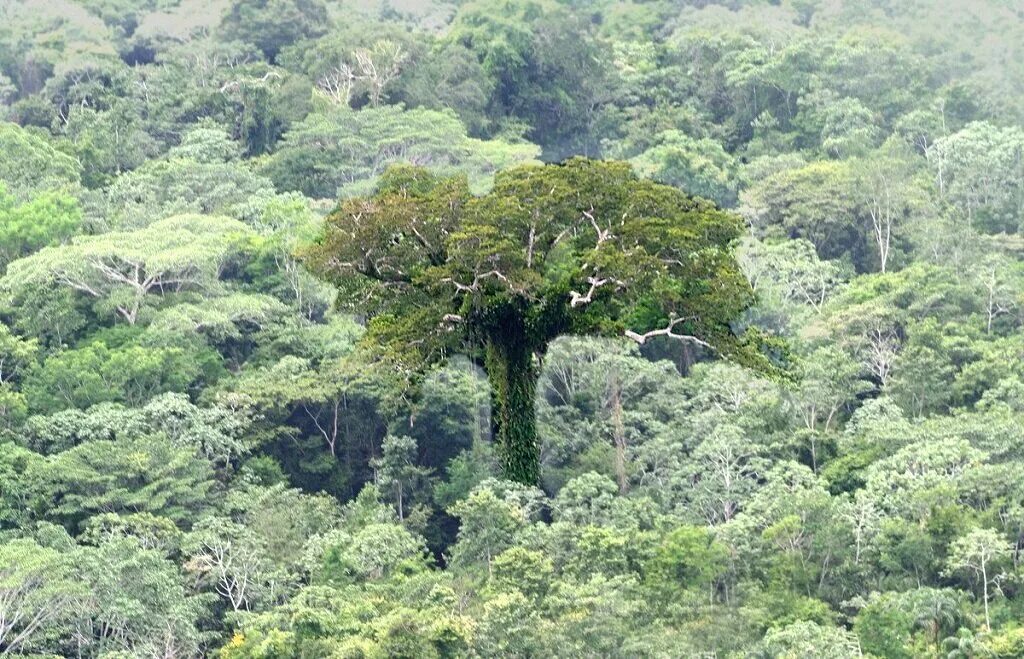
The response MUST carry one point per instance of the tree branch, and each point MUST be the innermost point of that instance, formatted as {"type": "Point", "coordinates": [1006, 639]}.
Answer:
{"type": "Point", "coordinates": [668, 332]}
{"type": "Point", "coordinates": [595, 283]}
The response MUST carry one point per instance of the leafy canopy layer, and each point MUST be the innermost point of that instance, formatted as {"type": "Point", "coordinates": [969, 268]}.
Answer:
{"type": "Point", "coordinates": [584, 247]}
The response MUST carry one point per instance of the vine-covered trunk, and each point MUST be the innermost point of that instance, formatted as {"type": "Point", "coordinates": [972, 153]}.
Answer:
{"type": "Point", "coordinates": [513, 381]}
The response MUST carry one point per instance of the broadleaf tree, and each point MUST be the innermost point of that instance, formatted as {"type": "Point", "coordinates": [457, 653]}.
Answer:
{"type": "Point", "coordinates": [583, 247]}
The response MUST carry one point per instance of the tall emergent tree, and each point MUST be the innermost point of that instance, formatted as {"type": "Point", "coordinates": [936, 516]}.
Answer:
{"type": "Point", "coordinates": [584, 247]}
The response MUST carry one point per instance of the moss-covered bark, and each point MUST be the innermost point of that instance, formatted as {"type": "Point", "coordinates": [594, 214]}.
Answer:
{"type": "Point", "coordinates": [513, 381]}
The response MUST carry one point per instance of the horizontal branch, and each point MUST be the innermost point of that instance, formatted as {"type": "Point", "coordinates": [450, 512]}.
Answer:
{"type": "Point", "coordinates": [371, 270]}
{"type": "Point", "coordinates": [475, 286]}
{"type": "Point", "coordinates": [449, 321]}
{"type": "Point", "coordinates": [667, 331]}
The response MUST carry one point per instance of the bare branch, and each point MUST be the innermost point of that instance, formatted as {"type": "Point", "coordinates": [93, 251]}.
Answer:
{"type": "Point", "coordinates": [602, 234]}
{"type": "Point", "coordinates": [595, 283]}
{"type": "Point", "coordinates": [669, 332]}
{"type": "Point", "coordinates": [337, 84]}
{"type": "Point", "coordinates": [475, 286]}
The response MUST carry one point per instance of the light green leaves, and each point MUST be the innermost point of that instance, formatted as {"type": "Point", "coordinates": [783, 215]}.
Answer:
{"type": "Point", "coordinates": [121, 271]}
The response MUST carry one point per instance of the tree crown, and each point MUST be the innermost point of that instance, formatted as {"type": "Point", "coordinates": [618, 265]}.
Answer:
{"type": "Point", "coordinates": [583, 247]}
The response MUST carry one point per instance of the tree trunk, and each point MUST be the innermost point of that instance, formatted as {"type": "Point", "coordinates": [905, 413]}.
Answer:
{"type": "Point", "coordinates": [513, 386]}
{"type": "Point", "coordinates": [984, 581]}
{"type": "Point", "coordinates": [618, 433]}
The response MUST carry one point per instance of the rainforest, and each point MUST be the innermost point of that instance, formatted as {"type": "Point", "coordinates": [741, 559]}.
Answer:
{"type": "Point", "coordinates": [511, 328]}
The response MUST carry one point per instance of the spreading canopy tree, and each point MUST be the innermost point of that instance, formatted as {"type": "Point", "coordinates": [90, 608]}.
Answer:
{"type": "Point", "coordinates": [122, 270]}
{"type": "Point", "coordinates": [584, 247]}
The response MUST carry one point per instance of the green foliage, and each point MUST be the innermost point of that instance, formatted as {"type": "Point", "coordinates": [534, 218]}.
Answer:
{"type": "Point", "coordinates": [397, 470]}
{"type": "Point", "coordinates": [506, 269]}
{"type": "Point", "coordinates": [95, 373]}
{"type": "Point", "coordinates": [108, 142]}
{"type": "Point", "coordinates": [200, 176]}
{"type": "Point", "coordinates": [39, 594]}
{"type": "Point", "coordinates": [17, 355]}
{"type": "Point", "coordinates": [49, 218]}
{"type": "Point", "coordinates": [689, 558]}
{"type": "Point", "coordinates": [137, 601]}
{"type": "Point", "coordinates": [807, 639]}
{"type": "Point", "coordinates": [124, 271]}
{"type": "Point", "coordinates": [699, 167]}
{"type": "Point", "coordinates": [547, 67]}
{"type": "Point", "coordinates": [813, 202]}
{"type": "Point", "coordinates": [147, 474]}
{"type": "Point", "coordinates": [272, 25]}
{"type": "Point", "coordinates": [981, 174]}
{"type": "Point", "coordinates": [342, 153]}
{"type": "Point", "coordinates": [30, 164]}
{"type": "Point", "coordinates": [242, 418]}
{"type": "Point", "coordinates": [487, 527]}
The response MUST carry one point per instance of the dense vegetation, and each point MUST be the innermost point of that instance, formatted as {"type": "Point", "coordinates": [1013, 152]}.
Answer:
{"type": "Point", "coordinates": [221, 434]}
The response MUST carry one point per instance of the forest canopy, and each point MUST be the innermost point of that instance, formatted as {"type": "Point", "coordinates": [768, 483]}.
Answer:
{"type": "Point", "coordinates": [569, 328]}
